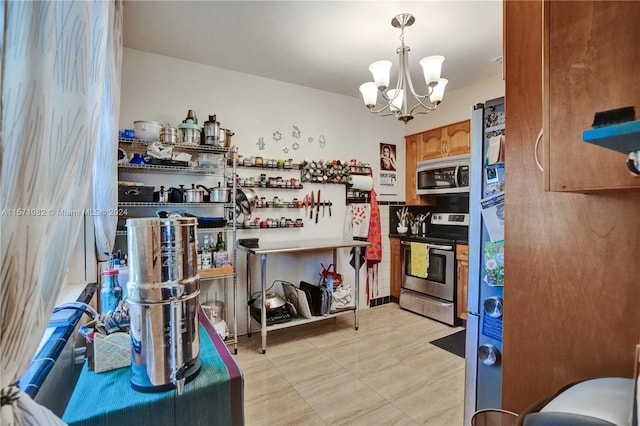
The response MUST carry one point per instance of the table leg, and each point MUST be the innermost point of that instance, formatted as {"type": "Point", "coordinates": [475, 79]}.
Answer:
{"type": "Point", "coordinates": [263, 310]}
{"type": "Point", "coordinates": [357, 295]}
{"type": "Point", "coordinates": [248, 272]}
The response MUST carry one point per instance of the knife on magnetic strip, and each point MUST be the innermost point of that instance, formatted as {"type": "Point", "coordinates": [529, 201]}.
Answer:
{"type": "Point", "coordinates": [311, 213]}
{"type": "Point", "coordinates": [318, 207]}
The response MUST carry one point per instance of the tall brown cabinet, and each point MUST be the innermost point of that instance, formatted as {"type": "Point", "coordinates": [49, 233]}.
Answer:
{"type": "Point", "coordinates": [571, 282]}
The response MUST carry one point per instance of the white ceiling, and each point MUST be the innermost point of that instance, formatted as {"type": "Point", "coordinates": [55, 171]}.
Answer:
{"type": "Point", "coordinates": [326, 45]}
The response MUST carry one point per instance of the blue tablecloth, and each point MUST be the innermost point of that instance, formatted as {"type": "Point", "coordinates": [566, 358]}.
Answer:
{"type": "Point", "coordinates": [214, 397]}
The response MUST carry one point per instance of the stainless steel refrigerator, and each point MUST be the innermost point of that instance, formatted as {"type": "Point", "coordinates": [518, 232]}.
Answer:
{"type": "Point", "coordinates": [483, 373]}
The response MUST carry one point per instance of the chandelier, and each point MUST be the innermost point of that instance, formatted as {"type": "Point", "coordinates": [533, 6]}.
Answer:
{"type": "Point", "coordinates": [396, 100]}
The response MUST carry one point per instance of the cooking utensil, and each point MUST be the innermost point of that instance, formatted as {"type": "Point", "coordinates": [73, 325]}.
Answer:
{"type": "Point", "coordinates": [273, 301]}
{"type": "Point", "coordinates": [168, 134]}
{"type": "Point", "coordinates": [211, 131]}
{"type": "Point", "coordinates": [318, 207]}
{"type": "Point", "coordinates": [217, 195]}
{"type": "Point", "coordinates": [194, 195]}
{"type": "Point", "coordinates": [176, 195]}
{"type": "Point", "coordinates": [312, 204]}
{"type": "Point", "coordinates": [147, 130]}
{"type": "Point", "coordinates": [246, 199]}
{"type": "Point", "coordinates": [190, 132]}
{"type": "Point", "coordinates": [163, 195]}
{"type": "Point", "coordinates": [324, 205]}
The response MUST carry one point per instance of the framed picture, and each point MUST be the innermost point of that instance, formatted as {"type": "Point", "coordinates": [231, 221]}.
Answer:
{"type": "Point", "coordinates": [388, 169]}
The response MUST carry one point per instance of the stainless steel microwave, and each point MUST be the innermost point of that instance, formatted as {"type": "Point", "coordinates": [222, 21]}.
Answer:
{"type": "Point", "coordinates": [449, 175]}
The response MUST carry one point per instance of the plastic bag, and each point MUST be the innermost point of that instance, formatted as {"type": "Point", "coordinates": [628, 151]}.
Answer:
{"type": "Point", "coordinates": [329, 277]}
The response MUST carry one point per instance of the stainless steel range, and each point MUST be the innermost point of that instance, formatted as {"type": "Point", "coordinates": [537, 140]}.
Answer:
{"type": "Point", "coordinates": [429, 267]}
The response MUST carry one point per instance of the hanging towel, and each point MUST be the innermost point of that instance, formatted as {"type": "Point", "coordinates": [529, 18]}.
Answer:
{"type": "Point", "coordinates": [419, 260]}
{"type": "Point", "coordinates": [357, 220]}
{"type": "Point", "coordinates": [374, 250]}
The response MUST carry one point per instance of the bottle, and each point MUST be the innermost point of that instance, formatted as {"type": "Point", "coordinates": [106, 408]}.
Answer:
{"type": "Point", "coordinates": [199, 257]}
{"type": "Point", "coordinates": [111, 292]}
{"type": "Point", "coordinates": [123, 277]}
{"type": "Point", "coordinates": [220, 245]}
{"type": "Point", "coordinates": [206, 254]}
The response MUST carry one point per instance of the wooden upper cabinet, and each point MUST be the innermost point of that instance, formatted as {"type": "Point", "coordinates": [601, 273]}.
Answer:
{"type": "Point", "coordinates": [447, 141]}
{"type": "Point", "coordinates": [412, 146]}
{"type": "Point", "coordinates": [591, 64]}
{"type": "Point", "coordinates": [458, 138]}
{"type": "Point", "coordinates": [433, 144]}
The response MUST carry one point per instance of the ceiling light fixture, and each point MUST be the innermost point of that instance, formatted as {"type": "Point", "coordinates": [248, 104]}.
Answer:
{"type": "Point", "coordinates": [396, 100]}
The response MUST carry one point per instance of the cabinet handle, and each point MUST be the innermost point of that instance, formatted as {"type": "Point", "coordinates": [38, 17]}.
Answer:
{"type": "Point", "coordinates": [535, 150]}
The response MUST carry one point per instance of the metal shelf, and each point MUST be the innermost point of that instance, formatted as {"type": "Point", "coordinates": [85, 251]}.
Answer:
{"type": "Point", "coordinates": [182, 146]}
{"type": "Point", "coordinates": [186, 205]}
{"type": "Point", "coordinates": [172, 169]}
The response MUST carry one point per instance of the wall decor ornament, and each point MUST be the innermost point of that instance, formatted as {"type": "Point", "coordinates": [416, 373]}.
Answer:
{"type": "Point", "coordinates": [296, 132]}
{"type": "Point", "coordinates": [260, 143]}
{"type": "Point", "coordinates": [277, 136]}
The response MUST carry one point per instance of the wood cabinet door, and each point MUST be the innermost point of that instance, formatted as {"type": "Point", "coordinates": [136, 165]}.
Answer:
{"type": "Point", "coordinates": [432, 145]}
{"type": "Point", "coordinates": [591, 64]}
{"type": "Point", "coordinates": [412, 146]}
{"type": "Point", "coordinates": [458, 138]}
{"type": "Point", "coordinates": [462, 280]}
{"type": "Point", "coordinates": [396, 270]}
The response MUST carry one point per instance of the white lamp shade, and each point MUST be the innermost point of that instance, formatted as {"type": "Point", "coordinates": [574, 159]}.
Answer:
{"type": "Point", "coordinates": [380, 71]}
{"type": "Point", "coordinates": [369, 93]}
{"type": "Point", "coordinates": [438, 91]}
{"type": "Point", "coordinates": [431, 67]}
{"type": "Point", "coordinates": [396, 97]}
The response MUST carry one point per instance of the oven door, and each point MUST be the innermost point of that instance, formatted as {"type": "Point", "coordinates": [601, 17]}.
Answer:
{"type": "Point", "coordinates": [440, 280]}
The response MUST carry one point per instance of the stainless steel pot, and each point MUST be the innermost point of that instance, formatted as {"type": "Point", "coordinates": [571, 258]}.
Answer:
{"type": "Point", "coordinates": [219, 194]}
{"type": "Point", "coordinates": [194, 195]}
{"type": "Point", "coordinates": [169, 134]}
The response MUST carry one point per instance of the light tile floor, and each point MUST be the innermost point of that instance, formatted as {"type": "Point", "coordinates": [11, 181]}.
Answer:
{"type": "Point", "coordinates": [327, 373]}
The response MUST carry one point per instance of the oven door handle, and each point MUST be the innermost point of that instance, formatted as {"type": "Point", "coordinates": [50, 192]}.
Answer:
{"type": "Point", "coordinates": [431, 246]}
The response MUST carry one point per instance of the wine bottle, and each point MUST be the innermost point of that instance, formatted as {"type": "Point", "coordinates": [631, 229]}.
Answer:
{"type": "Point", "coordinates": [220, 245]}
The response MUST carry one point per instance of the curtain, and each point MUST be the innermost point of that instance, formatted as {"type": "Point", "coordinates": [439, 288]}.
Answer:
{"type": "Point", "coordinates": [57, 61]}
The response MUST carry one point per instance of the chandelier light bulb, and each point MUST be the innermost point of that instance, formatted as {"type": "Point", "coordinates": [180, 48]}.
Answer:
{"type": "Point", "coordinates": [380, 70]}
{"type": "Point", "coordinates": [396, 97]}
{"type": "Point", "coordinates": [432, 67]}
{"type": "Point", "coordinates": [369, 94]}
{"type": "Point", "coordinates": [438, 91]}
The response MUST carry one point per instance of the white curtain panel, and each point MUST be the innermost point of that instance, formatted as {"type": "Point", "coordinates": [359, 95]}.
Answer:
{"type": "Point", "coordinates": [105, 170]}
{"type": "Point", "coordinates": [55, 66]}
